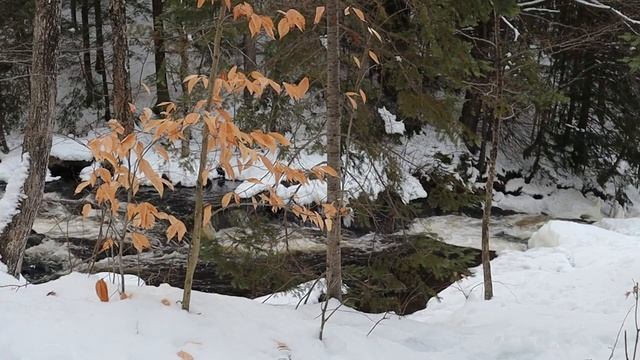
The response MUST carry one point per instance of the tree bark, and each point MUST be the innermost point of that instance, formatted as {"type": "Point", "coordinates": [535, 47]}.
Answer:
{"type": "Point", "coordinates": [37, 140]}
{"type": "Point", "coordinates": [488, 203]}
{"type": "Point", "coordinates": [121, 85]}
{"type": "Point", "coordinates": [185, 148]}
{"type": "Point", "coordinates": [86, 54]}
{"type": "Point", "coordinates": [482, 156]}
{"type": "Point", "coordinates": [495, 133]}
{"type": "Point", "coordinates": [334, 159]}
{"type": "Point", "coordinates": [74, 14]}
{"type": "Point", "coordinates": [162, 89]}
{"type": "Point", "coordinates": [101, 67]}
{"type": "Point", "coordinates": [4, 148]}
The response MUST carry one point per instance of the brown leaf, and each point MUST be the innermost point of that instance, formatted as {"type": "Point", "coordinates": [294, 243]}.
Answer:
{"type": "Point", "coordinates": [200, 3]}
{"type": "Point", "coordinates": [319, 12]}
{"type": "Point", "coordinates": [374, 57]}
{"type": "Point", "coordinates": [165, 302]}
{"type": "Point", "coordinates": [86, 210]}
{"type": "Point", "coordinates": [280, 138]}
{"type": "Point", "coordinates": [375, 33]}
{"type": "Point", "coordinates": [81, 186]}
{"type": "Point", "coordinates": [359, 14]}
{"type": "Point", "coordinates": [295, 18]}
{"type": "Point", "coordinates": [363, 96]}
{"type": "Point", "coordinates": [206, 217]}
{"type": "Point", "coordinates": [297, 92]}
{"type": "Point", "coordinates": [226, 199]}
{"type": "Point", "coordinates": [264, 140]}
{"type": "Point", "coordinates": [51, 293]}
{"type": "Point", "coordinates": [283, 27]}
{"type": "Point", "coordinates": [102, 291]}
{"type": "Point", "coordinates": [108, 244]}
{"type": "Point", "coordinates": [192, 83]}
{"type": "Point", "coordinates": [115, 126]}
{"type": "Point", "coordinates": [355, 60]}
{"type": "Point", "coordinates": [140, 242]}
{"type": "Point", "coordinates": [184, 355]}
{"type": "Point", "coordinates": [191, 118]}
{"type": "Point", "coordinates": [267, 25]}
{"type": "Point", "coordinates": [162, 152]}
{"type": "Point", "coordinates": [353, 103]}
{"type": "Point", "coordinates": [152, 176]}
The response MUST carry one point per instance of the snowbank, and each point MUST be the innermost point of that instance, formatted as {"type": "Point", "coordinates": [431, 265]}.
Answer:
{"type": "Point", "coordinates": [563, 302]}
{"type": "Point", "coordinates": [13, 194]}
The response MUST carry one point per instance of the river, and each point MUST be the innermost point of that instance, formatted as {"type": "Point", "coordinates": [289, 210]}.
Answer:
{"type": "Point", "coordinates": [63, 241]}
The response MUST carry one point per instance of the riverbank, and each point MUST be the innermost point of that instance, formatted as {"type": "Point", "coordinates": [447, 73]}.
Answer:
{"type": "Point", "coordinates": [564, 298]}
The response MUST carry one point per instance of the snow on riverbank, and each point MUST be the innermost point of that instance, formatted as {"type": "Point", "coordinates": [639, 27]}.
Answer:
{"type": "Point", "coordinates": [562, 299]}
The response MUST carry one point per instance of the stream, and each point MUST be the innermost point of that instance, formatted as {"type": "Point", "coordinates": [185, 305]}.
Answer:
{"type": "Point", "coordinates": [62, 241]}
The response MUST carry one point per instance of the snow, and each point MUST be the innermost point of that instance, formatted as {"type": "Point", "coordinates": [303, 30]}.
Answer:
{"type": "Point", "coordinates": [62, 147]}
{"type": "Point", "coordinates": [13, 194]}
{"type": "Point", "coordinates": [564, 298]}
{"type": "Point", "coordinates": [391, 125]}
{"type": "Point", "coordinates": [507, 232]}
{"type": "Point", "coordinates": [561, 203]}
{"type": "Point", "coordinates": [69, 148]}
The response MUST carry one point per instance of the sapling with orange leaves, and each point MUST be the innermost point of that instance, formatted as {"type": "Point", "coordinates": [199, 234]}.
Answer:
{"type": "Point", "coordinates": [237, 150]}
{"type": "Point", "coordinates": [122, 170]}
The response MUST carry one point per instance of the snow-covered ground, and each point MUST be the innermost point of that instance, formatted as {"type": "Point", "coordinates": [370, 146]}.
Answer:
{"type": "Point", "coordinates": [564, 298]}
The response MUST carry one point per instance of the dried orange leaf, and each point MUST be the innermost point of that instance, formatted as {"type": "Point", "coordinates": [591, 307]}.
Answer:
{"type": "Point", "coordinates": [280, 138]}
{"type": "Point", "coordinates": [359, 14]}
{"type": "Point", "coordinates": [226, 199]}
{"type": "Point", "coordinates": [375, 33]}
{"type": "Point", "coordinates": [355, 60]}
{"type": "Point", "coordinates": [283, 27]}
{"type": "Point", "coordinates": [374, 57]}
{"type": "Point", "coordinates": [363, 96]}
{"type": "Point", "coordinates": [86, 210]}
{"type": "Point", "coordinates": [297, 92]}
{"type": "Point", "coordinates": [140, 242]}
{"type": "Point", "coordinates": [102, 291]}
{"type": "Point", "coordinates": [81, 186]}
{"type": "Point", "coordinates": [319, 12]}
{"type": "Point", "coordinates": [206, 217]}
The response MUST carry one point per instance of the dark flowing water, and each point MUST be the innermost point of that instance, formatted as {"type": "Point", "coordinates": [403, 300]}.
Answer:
{"type": "Point", "coordinates": [67, 243]}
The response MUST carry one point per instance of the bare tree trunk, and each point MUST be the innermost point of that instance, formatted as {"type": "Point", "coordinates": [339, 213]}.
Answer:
{"type": "Point", "coordinates": [185, 149]}
{"type": "Point", "coordinates": [482, 155]}
{"type": "Point", "coordinates": [334, 159]}
{"type": "Point", "coordinates": [74, 15]}
{"type": "Point", "coordinates": [86, 54]}
{"type": "Point", "coordinates": [37, 140]}
{"type": "Point", "coordinates": [486, 215]}
{"type": "Point", "coordinates": [495, 138]}
{"type": "Point", "coordinates": [121, 85]}
{"type": "Point", "coordinates": [101, 66]}
{"type": "Point", "coordinates": [4, 148]}
{"type": "Point", "coordinates": [162, 90]}
{"type": "Point", "coordinates": [200, 183]}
